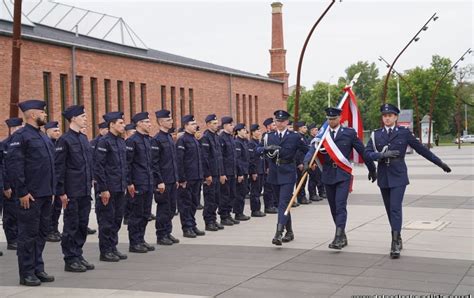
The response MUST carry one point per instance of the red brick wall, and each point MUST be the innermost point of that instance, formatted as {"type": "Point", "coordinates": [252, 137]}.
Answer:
{"type": "Point", "coordinates": [211, 90]}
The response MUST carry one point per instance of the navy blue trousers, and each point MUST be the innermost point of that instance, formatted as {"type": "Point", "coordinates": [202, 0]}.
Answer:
{"type": "Point", "coordinates": [55, 214]}
{"type": "Point", "coordinates": [33, 227]}
{"type": "Point", "coordinates": [212, 194]}
{"type": "Point", "coordinates": [241, 190]}
{"type": "Point", "coordinates": [110, 220]}
{"type": "Point", "coordinates": [283, 193]}
{"type": "Point", "coordinates": [393, 199]}
{"type": "Point", "coordinates": [337, 199]}
{"type": "Point", "coordinates": [188, 200]}
{"type": "Point", "coordinates": [255, 191]}
{"type": "Point", "coordinates": [228, 196]}
{"type": "Point", "coordinates": [269, 198]}
{"type": "Point", "coordinates": [10, 221]}
{"type": "Point", "coordinates": [302, 193]}
{"type": "Point", "coordinates": [165, 210]}
{"type": "Point", "coordinates": [76, 220]}
{"type": "Point", "coordinates": [314, 182]}
{"type": "Point", "coordinates": [138, 218]}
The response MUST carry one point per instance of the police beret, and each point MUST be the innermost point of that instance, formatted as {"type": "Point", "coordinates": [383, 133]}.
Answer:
{"type": "Point", "coordinates": [300, 124]}
{"type": "Point", "coordinates": [389, 109]}
{"type": "Point", "coordinates": [211, 117]}
{"type": "Point", "coordinates": [111, 116]}
{"type": "Point", "coordinates": [163, 114]}
{"type": "Point", "coordinates": [102, 125]}
{"type": "Point", "coordinates": [73, 111]}
{"type": "Point", "coordinates": [172, 130]}
{"type": "Point", "coordinates": [333, 112]}
{"type": "Point", "coordinates": [311, 126]}
{"type": "Point", "coordinates": [268, 121]}
{"type": "Point", "coordinates": [51, 124]}
{"type": "Point", "coordinates": [226, 120]}
{"type": "Point", "coordinates": [254, 127]}
{"type": "Point", "coordinates": [186, 119]}
{"type": "Point", "coordinates": [239, 126]}
{"type": "Point", "coordinates": [130, 126]}
{"type": "Point", "coordinates": [140, 116]}
{"type": "Point", "coordinates": [281, 115]}
{"type": "Point", "coordinates": [13, 122]}
{"type": "Point", "coordinates": [32, 104]}
{"type": "Point", "coordinates": [181, 129]}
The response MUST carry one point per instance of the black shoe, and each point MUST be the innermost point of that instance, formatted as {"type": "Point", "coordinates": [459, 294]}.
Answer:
{"type": "Point", "coordinates": [59, 235]}
{"type": "Point", "coordinates": [120, 255]}
{"type": "Point", "coordinates": [289, 235]}
{"type": "Point", "coordinates": [315, 198]}
{"type": "Point", "coordinates": [200, 207]}
{"type": "Point", "coordinates": [189, 233]}
{"type": "Point", "coordinates": [149, 247]}
{"type": "Point", "coordinates": [12, 246]}
{"type": "Point", "coordinates": [242, 217]}
{"type": "Point", "coordinates": [277, 239]}
{"type": "Point", "coordinates": [109, 257]}
{"type": "Point", "coordinates": [52, 237]}
{"type": "Point", "coordinates": [125, 221]}
{"type": "Point", "coordinates": [295, 204]}
{"type": "Point", "coordinates": [323, 195]}
{"type": "Point", "coordinates": [74, 267]}
{"type": "Point", "coordinates": [344, 240]}
{"type": "Point", "coordinates": [337, 243]}
{"type": "Point", "coordinates": [304, 201]}
{"type": "Point", "coordinates": [164, 241]}
{"type": "Point", "coordinates": [198, 232]}
{"type": "Point", "coordinates": [138, 248]}
{"type": "Point", "coordinates": [172, 238]}
{"type": "Point", "coordinates": [91, 231]}
{"type": "Point", "coordinates": [153, 217]}
{"type": "Point", "coordinates": [227, 221]}
{"type": "Point", "coordinates": [44, 277]}
{"type": "Point", "coordinates": [235, 221]}
{"type": "Point", "coordinates": [395, 248]}
{"type": "Point", "coordinates": [221, 227]}
{"type": "Point", "coordinates": [211, 227]}
{"type": "Point", "coordinates": [30, 281]}
{"type": "Point", "coordinates": [258, 214]}
{"type": "Point", "coordinates": [86, 264]}
{"type": "Point", "coordinates": [271, 210]}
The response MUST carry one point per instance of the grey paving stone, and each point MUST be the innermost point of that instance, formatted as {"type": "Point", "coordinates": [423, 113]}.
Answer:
{"type": "Point", "coordinates": [198, 278]}
{"type": "Point", "coordinates": [424, 267]}
{"type": "Point", "coordinates": [297, 286]}
{"type": "Point", "coordinates": [413, 275]}
{"type": "Point", "coordinates": [93, 283]}
{"type": "Point", "coordinates": [464, 290]}
{"type": "Point", "coordinates": [219, 269]}
{"type": "Point", "coordinates": [407, 285]}
{"type": "Point", "coordinates": [240, 291]}
{"type": "Point", "coordinates": [330, 269]}
{"type": "Point", "coordinates": [178, 287]}
{"type": "Point", "coordinates": [468, 281]}
{"type": "Point", "coordinates": [350, 290]}
{"type": "Point", "coordinates": [337, 259]}
{"type": "Point", "coordinates": [307, 276]}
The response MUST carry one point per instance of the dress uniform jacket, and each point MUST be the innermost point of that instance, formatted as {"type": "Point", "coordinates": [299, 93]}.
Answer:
{"type": "Point", "coordinates": [139, 159]}
{"type": "Point", "coordinates": [256, 162]}
{"type": "Point", "coordinates": [189, 158]}
{"type": "Point", "coordinates": [164, 158]}
{"type": "Point", "coordinates": [242, 156]}
{"type": "Point", "coordinates": [228, 154]}
{"type": "Point", "coordinates": [211, 155]}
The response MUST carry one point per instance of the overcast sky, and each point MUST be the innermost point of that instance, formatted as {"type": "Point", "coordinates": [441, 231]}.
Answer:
{"type": "Point", "coordinates": [238, 34]}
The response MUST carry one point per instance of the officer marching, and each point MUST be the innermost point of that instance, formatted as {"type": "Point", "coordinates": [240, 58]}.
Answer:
{"type": "Point", "coordinates": [388, 146]}
{"type": "Point", "coordinates": [256, 171]}
{"type": "Point", "coordinates": [73, 164]}
{"type": "Point", "coordinates": [281, 147]}
{"type": "Point", "coordinates": [269, 200]}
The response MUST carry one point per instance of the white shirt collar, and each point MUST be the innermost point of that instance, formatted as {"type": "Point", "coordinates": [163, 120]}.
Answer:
{"type": "Point", "coordinates": [283, 133]}
{"type": "Point", "coordinates": [392, 127]}
{"type": "Point", "coordinates": [336, 130]}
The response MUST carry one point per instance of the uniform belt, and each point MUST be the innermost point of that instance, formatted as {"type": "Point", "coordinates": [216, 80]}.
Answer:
{"type": "Point", "coordinates": [391, 159]}
{"type": "Point", "coordinates": [285, 161]}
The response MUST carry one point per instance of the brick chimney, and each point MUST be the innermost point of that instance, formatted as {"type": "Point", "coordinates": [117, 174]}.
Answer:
{"type": "Point", "coordinates": [278, 52]}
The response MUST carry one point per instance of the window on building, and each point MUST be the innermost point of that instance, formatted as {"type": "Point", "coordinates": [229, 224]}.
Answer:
{"type": "Point", "coordinates": [120, 96]}
{"type": "Point", "coordinates": [143, 97]}
{"type": "Point", "coordinates": [163, 97]}
{"type": "Point", "coordinates": [63, 94]}
{"type": "Point", "coordinates": [79, 96]}
{"type": "Point", "coordinates": [173, 105]}
{"type": "Point", "coordinates": [131, 96]}
{"type": "Point", "coordinates": [244, 109]}
{"type": "Point", "coordinates": [47, 93]}
{"type": "Point", "coordinates": [191, 101]}
{"type": "Point", "coordinates": [237, 106]}
{"type": "Point", "coordinates": [250, 110]}
{"type": "Point", "coordinates": [255, 100]}
{"type": "Point", "coordinates": [182, 102]}
{"type": "Point", "coordinates": [94, 106]}
{"type": "Point", "coordinates": [107, 95]}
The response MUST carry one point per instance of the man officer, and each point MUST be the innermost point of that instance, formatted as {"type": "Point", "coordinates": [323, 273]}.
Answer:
{"type": "Point", "coordinates": [73, 164]}
{"type": "Point", "coordinates": [140, 182]}
{"type": "Point", "coordinates": [270, 202]}
{"type": "Point", "coordinates": [110, 172]}
{"type": "Point", "coordinates": [256, 171]}
{"type": "Point", "coordinates": [302, 130]}
{"type": "Point", "coordinates": [30, 165]}
{"type": "Point", "coordinates": [281, 148]}
{"type": "Point", "coordinates": [336, 180]}
{"type": "Point", "coordinates": [243, 159]}
{"type": "Point", "coordinates": [190, 172]}
{"type": "Point", "coordinates": [315, 186]}
{"type": "Point", "coordinates": [388, 146]}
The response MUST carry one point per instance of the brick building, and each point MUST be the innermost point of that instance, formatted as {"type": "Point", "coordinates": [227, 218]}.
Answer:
{"type": "Point", "coordinates": [64, 68]}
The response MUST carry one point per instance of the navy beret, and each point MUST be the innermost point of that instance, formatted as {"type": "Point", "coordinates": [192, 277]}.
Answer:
{"type": "Point", "coordinates": [268, 121]}
{"type": "Point", "coordinates": [300, 124]}
{"type": "Point", "coordinates": [172, 130]}
{"type": "Point", "coordinates": [130, 126]}
{"type": "Point", "coordinates": [281, 115]}
{"type": "Point", "coordinates": [163, 114]}
{"type": "Point", "coordinates": [102, 125]}
{"type": "Point", "coordinates": [31, 104]}
{"type": "Point", "coordinates": [51, 124]}
{"type": "Point", "coordinates": [140, 116]}
{"type": "Point", "coordinates": [239, 126]}
{"type": "Point", "coordinates": [111, 116]}
{"type": "Point", "coordinates": [333, 112]}
{"type": "Point", "coordinates": [211, 117]}
{"type": "Point", "coordinates": [226, 120]}
{"type": "Point", "coordinates": [73, 111]}
{"type": "Point", "coordinates": [389, 109]}
{"type": "Point", "coordinates": [13, 122]}
{"type": "Point", "coordinates": [254, 127]}
{"type": "Point", "coordinates": [311, 126]}
{"type": "Point", "coordinates": [186, 119]}
{"type": "Point", "coordinates": [181, 129]}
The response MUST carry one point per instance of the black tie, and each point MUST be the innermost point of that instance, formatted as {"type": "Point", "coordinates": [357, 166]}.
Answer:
{"type": "Point", "coordinates": [333, 132]}
{"type": "Point", "coordinates": [389, 132]}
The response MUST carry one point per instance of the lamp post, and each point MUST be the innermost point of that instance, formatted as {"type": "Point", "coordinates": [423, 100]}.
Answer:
{"type": "Point", "coordinates": [329, 91]}
{"type": "Point", "coordinates": [435, 92]}
{"type": "Point", "coordinates": [414, 39]}
{"type": "Point", "coordinates": [16, 56]}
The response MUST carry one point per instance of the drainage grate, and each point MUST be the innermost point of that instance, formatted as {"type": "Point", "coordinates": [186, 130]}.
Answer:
{"type": "Point", "coordinates": [426, 225]}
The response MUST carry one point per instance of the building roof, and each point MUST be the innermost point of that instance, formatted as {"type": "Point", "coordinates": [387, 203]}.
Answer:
{"type": "Point", "coordinates": [60, 37]}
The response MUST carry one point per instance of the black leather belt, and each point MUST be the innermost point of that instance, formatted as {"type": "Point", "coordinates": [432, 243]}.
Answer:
{"type": "Point", "coordinates": [389, 160]}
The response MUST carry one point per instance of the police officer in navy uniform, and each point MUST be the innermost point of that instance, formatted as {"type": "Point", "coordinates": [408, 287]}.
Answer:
{"type": "Point", "coordinates": [54, 132]}
{"type": "Point", "coordinates": [302, 130]}
{"type": "Point", "coordinates": [30, 165]}
{"type": "Point", "coordinates": [166, 176]}
{"type": "Point", "coordinates": [73, 164]}
{"type": "Point", "coordinates": [10, 203]}
{"type": "Point", "coordinates": [269, 200]}
{"type": "Point", "coordinates": [213, 170]}
{"type": "Point", "coordinates": [388, 146]}
{"type": "Point", "coordinates": [281, 148]}
{"type": "Point", "coordinates": [243, 163]}
{"type": "Point", "coordinates": [256, 171]}
{"type": "Point", "coordinates": [336, 180]}
{"type": "Point", "coordinates": [140, 182]}
{"type": "Point", "coordinates": [190, 173]}
{"type": "Point", "coordinates": [315, 186]}
{"type": "Point", "coordinates": [110, 172]}
{"type": "Point", "coordinates": [130, 130]}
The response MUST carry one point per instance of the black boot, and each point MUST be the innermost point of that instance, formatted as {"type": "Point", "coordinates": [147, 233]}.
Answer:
{"type": "Point", "coordinates": [337, 243]}
{"type": "Point", "coordinates": [289, 235]}
{"type": "Point", "coordinates": [400, 240]}
{"type": "Point", "coordinates": [344, 239]}
{"type": "Point", "coordinates": [277, 239]}
{"type": "Point", "coordinates": [395, 249]}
